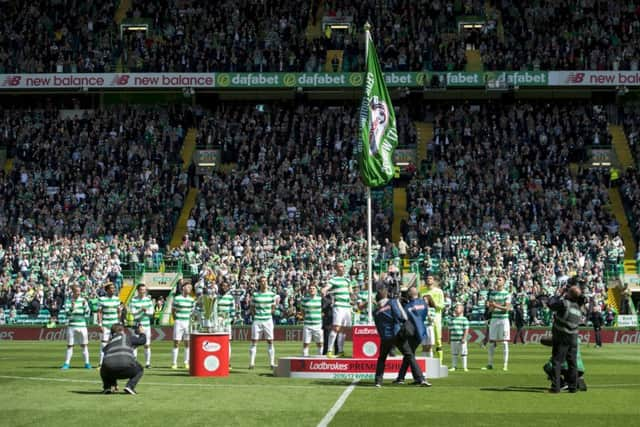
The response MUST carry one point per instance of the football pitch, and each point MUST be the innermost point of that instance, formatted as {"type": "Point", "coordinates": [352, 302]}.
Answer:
{"type": "Point", "coordinates": [34, 391]}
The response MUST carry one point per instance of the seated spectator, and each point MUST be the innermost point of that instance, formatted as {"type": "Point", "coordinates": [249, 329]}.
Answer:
{"type": "Point", "coordinates": [45, 36]}
{"type": "Point", "coordinates": [103, 173]}
{"type": "Point", "coordinates": [555, 35]}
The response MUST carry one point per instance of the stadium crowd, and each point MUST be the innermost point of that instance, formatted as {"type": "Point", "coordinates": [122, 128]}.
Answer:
{"type": "Point", "coordinates": [499, 198]}
{"type": "Point", "coordinates": [222, 36]}
{"type": "Point", "coordinates": [36, 272]}
{"type": "Point", "coordinates": [106, 172]}
{"type": "Point", "coordinates": [64, 36]}
{"type": "Point", "coordinates": [294, 170]}
{"type": "Point", "coordinates": [557, 35]}
{"type": "Point", "coordinates": [263, 37]}
{"type": "Point", "coordinates": [506, 168]}
{"type": "Point", "coordinates": [250, 36]}
{"type": "Point", "coordinates": [630, 178]}
{"type": "Point", "coordinates": [416, 35]}
{"type": "Point", "coordinates": [631, 125]}
{"type": "Point", "coordinates": [469, 264]}
{"type": "Point", "coordinates": [186, 36]}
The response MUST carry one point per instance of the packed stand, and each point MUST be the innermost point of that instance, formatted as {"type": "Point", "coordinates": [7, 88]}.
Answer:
{"type": "Point", "coordinates": [47, 36]}
{"type": "Point", "coordinates": [506, 168]}
{"type": "Point", "coordinates": [293, 202]}
{"type": "Point", "coordinates": [561, 35]}
{"type": "Point", "coordinates": [468, 266]}
{"type": "Point", "coordinates": [295, 170]}
{"type": "Point", "coordinates": [291, 260]}
{"type": "Point", "coordinates": [36, 273]}
{"type": "Point", "coordinates": [630, 179]}
{"type": "Point", "coordinates": [409, 35]}
{"type": "Point", "coordinates": [249, 36]}
{"type": "Point", "coordinates": [190, 36]}
{"type": "Point", "coordinates": [631, 197]}
{"type": "Point", "coordinates": [252, 36]}
{"type": "Point", "coordinates": [503, 171]}
{"type": "Point", "coordinates": [631, 125]}
{"type": "Point", "coordinates": [106, 172]}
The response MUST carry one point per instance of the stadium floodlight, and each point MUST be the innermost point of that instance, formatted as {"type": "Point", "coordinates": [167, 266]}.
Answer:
{"type": "Point", "coordinates": [334, 23]}
{"type": "Point", "coordinates": [131, 27]}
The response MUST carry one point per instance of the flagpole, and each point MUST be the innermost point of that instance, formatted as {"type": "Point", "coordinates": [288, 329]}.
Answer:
{"type": "Point", "coordinates": [369, 261]}
{"type": "Point", "coordinates": [367, 27]}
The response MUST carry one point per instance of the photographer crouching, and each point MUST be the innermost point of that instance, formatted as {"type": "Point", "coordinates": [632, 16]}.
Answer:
{"type": "Point", "coordinates": [119, 361]}
{"type": "Point", "coordinates": [565, 335]}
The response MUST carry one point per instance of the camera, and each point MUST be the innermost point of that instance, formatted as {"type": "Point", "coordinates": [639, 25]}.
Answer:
{"type": "Point", "coordinates": [580, 283]}
{"type": "Point", "coordinates": [581, 300]}
{"type": "Point", "coordinates": [137, 328]}
{"type": "Point", "coordinates": [392, 281]}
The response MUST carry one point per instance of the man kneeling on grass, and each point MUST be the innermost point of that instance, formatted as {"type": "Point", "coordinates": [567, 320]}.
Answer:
{"type": "Point", "coordinates": [119, 361]}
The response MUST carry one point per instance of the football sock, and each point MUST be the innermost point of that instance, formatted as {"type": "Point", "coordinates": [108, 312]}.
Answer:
{"type": "Point", "coordinates": [492, 350]}
{"type": "Point", "coordinates": [252, 355]}
{"type": "Point", "coordinates": [68, 356]}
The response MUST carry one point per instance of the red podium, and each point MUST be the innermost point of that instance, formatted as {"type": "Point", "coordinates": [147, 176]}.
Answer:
{"type": "Point", "coordinates": [209, 355]}
{"type": "Point", "coordinates": [366, 342]}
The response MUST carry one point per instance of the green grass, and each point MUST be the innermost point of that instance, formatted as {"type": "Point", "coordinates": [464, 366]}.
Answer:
{"type": "Point", "coordinates": [34, 391]}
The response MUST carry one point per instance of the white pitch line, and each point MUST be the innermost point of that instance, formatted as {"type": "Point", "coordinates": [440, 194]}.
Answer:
{"type": "Point", "coordinates": [71, 380]}
{"type": "Point", "coordinates": [336, 406]}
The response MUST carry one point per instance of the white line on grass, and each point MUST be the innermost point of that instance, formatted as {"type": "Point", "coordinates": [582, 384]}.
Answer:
{"type": "Point", "coordinates": [336, 406]}
{"type": "Point", "coordinates": [168, 384]}
{"type": "Point", "coordinates": [310, 386]}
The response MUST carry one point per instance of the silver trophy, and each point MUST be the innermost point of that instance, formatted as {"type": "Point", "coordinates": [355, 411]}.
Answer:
{"type": "Point", "coordinates": [209, 319]}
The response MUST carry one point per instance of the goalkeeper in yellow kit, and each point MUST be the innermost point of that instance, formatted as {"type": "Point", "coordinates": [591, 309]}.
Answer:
{"type": "Point", "coordinates": [435, 297]}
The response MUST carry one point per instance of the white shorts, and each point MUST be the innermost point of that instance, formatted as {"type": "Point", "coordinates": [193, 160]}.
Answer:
{"type": "Point", "coordinates": [147, 334]}
{"type": "Point", "coordinates": [431, 338]}
{"type": "Point", "coordinates": [106, 334]}
{"type": "Point", "coordinates": [262, 330]}
{"type": "Point", "coordinates": [181, 330]}
{"type": "Point", "coordinates": [81, 331]}
{"type": "Point", "coordinates": [458, 348]}
{"type": "Point", "coordinates": [312, 333]}
{"type": "Point", "coordinates": [341, 316]}
{"type": "Point", "coordinates": [227, 329]}
{"type": "Point", "coordinates": [499, 330]}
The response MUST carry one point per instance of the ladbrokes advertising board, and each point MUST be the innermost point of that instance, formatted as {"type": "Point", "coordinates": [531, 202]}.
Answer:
{"type": "Point", "coordinates": [533, 335]}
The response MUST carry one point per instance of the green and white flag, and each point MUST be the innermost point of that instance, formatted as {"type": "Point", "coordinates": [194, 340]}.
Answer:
{"type": "Point", "coordinates": [378, 130]}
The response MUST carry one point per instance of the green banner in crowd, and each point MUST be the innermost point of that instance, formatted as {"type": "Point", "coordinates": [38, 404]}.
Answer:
{"type": "Point", "coordinates": [378, 132]}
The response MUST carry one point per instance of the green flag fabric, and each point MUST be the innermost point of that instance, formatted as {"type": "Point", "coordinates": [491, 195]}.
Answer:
{"type": "Point", "coordinates": [379, 134]}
